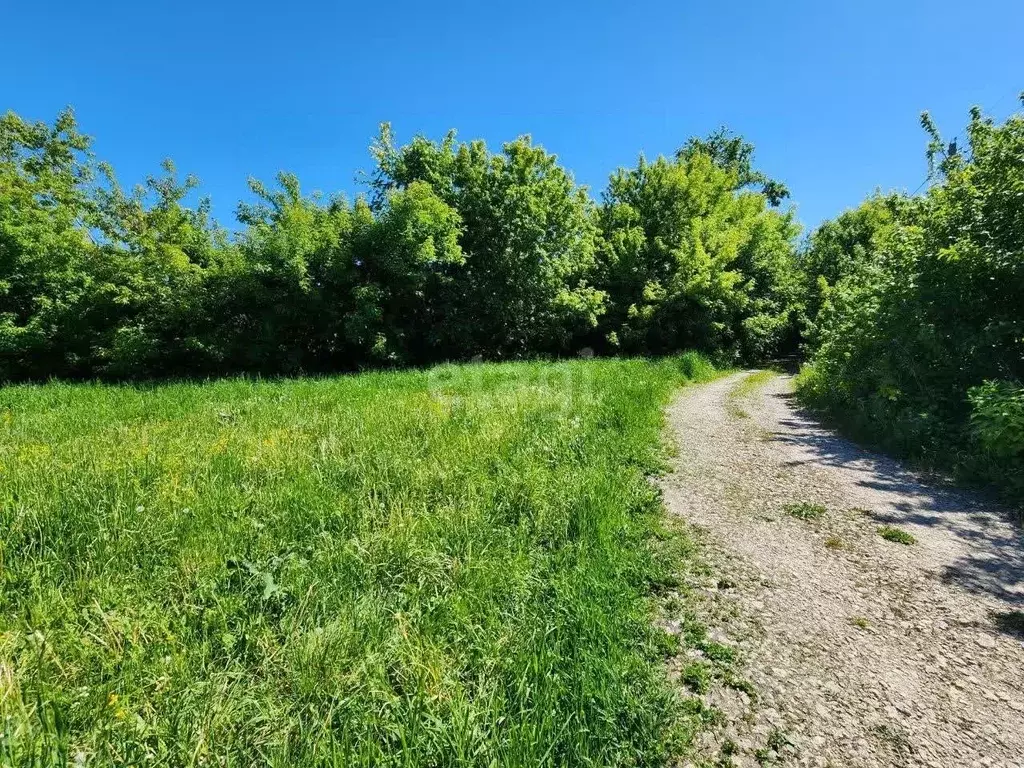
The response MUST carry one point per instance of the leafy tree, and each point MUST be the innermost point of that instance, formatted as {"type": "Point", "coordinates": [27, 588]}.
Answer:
{"type": "Point", "coordinates": [148, 307]}
{"type": "Point", "coordinates": [410, 266]}
{"type": "Point", "coordinates": [689, 261]}
{"type": "Point", "coordinates": [732, 153]}
{"type": "Point", "coordinates": [839, 247]}
{"type": "Point", "coordinates": [458, 251]}
{"type": "Point", "coordinates": [94, 281]}
{"type": "Point", "coordinates": [286, 304]}
{"type": "Point", "coordinates": [527, 239]}
{"type": "Point", "coordinates": [327, 285]}
{"type": "Point", "coordinates": [45, 247]}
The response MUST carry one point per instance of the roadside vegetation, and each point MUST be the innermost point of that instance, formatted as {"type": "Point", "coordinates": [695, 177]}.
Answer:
{"type": "Point", "coordinates": [742, 391]}
{"type": "Point", "coordinates": [449, 567]}
{"type": "Point", "coordinates": [906, 309]}
{"type": "Point", "coordinates": [805, 510]}
{"type": "Point", "coordinates": [915, 311]}
{"type": "Point", "coordinates": [896, 535]}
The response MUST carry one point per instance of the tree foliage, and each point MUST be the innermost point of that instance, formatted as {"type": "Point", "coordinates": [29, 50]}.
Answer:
{"type": "Point", "coordinates": [528, 241]}
{"type": "Point", "coordinates": [924, 305]}
{"type": "Point", "coordinates": [732, 153]}
{"type": "Point", "coordinates": [457, 251]}
{"type": "Point", "coordinates": [689, 259]}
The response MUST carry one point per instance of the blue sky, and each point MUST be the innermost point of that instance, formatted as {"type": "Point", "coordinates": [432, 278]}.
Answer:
{"type": "Point", "coordinates": [828, 91]}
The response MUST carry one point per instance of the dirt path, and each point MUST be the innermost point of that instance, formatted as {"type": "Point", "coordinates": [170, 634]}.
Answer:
{"type": "Point", "coordinates": [862, 652]}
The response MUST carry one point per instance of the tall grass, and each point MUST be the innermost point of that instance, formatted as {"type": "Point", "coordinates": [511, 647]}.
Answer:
{"type": "Point", "coordinates": [431, 568]}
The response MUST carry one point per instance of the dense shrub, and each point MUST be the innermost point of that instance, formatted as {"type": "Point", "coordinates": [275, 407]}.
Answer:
{"type": "Point", "coordinates": [459, 251]}
{"type": "Point", "coordinates": [528, 239]}
{"type": "Point", "coordinates": [838, 248]}
{"type": "Point", "coordinates": [928, 304]}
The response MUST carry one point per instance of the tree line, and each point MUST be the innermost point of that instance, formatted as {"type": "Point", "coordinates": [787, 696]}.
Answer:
{"type": "Point", "coordinates": [453, 251]}
{"type": "Point", "coordinates": [909, 309]}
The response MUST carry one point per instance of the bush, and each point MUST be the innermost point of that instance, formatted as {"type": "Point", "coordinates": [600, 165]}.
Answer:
{"type": "Point", "coordinates": [997, 421]}
{"type": "Point", "coordinates": [459, 251]}
{"type": "Point", "coordinates": [926, 307]}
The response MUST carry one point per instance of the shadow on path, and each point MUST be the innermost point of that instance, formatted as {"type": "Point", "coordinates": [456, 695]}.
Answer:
{"type": "Point", "coordinates": [994, 564]}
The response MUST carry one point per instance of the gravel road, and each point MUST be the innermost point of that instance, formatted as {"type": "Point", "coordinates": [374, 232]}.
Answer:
{"type": "Point", "coordinates": [861, 651]}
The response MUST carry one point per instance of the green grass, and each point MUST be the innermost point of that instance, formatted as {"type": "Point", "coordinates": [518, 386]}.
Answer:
{"type": "Point", "coordinates": [805, 510]}
{"type": "Point", "coordinates": [449, 567]}
{"type": "Point", "coordinates": [896, 535]}
{"type": "Point", "coordinates": [752, 383]}
{"type": "Point", "coordinates": [698, 675]}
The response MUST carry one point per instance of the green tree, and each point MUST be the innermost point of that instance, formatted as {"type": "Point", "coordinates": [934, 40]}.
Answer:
{"type": "Point", "coordinates": [328, 285]}
{"type": "Point", "coordinates": [841, 246]}
{"type": "Point", "coordinates": [732, 153]}
{"type": "Point", "coordinates": [148, 306]}
{"type": "Point", "coordinates": [286, 305]}
{"type": "Point", "coordinates": [527, 240]}
{"type": "Point", "coordinates": [410, 264]}
{"type": "Point", "coordinates": [689, 260]}
{"type": "Point", "coordinates": [45, 247]}
{"type": "Point", "coordinates": [93, 280]}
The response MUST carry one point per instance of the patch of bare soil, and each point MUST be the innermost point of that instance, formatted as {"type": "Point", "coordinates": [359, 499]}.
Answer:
{"type": "Point", "coordinates": [862, 651]}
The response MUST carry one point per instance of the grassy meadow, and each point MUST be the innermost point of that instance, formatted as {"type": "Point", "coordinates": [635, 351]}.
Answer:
{"type": "Point", "coordinates": [444, 567]}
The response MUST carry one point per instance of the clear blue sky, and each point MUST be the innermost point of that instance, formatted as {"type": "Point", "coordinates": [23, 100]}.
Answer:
{"type": "Point", "coordinates": [828, 91]}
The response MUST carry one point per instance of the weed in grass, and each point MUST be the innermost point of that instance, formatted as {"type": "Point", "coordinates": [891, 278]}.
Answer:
{"type": "Point", "coordinates": [860, 622]}
{"type": "Point", "coordinates": [447, 566]}
{"type": "Point", "coordinates": [723, 654]}
{"type": "Point", "coordinates": [834, 543]}
{"type": "Point", "coordinates": [805, 510]}
{"type": "Point", "coordinates": [706, 714]}
{"type": "Point", "coordinates": [741, 684]}
{"type": "Point", "coordinates": [897, 535]}
{"type": "Point", "coordinates": [728, 749]}
{"type": "Point", "coordinates": [663, 583]}
{"type": "Point", "coordinates": [666, 644]}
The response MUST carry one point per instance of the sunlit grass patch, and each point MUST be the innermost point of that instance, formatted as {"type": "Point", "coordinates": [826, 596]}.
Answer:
{"type": "Point", "coordinates": [438, 567]}
{"type": "Point", "coordinates": [747, 386]}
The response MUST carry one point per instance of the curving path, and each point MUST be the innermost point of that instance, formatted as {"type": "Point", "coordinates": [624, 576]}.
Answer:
{"type": "Point", "coordinates": [862, 652]}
